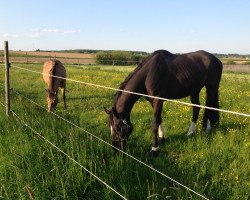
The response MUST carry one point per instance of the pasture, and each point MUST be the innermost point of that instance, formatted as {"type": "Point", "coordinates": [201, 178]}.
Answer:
{"type": "Point", "coordinates": [216, 165]}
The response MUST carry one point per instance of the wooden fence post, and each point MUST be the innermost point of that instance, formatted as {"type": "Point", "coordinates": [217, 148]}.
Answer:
{"type": "Point", "coordinates": [27, 58]}
{"type": "Point", "coordinates": [7, 76]}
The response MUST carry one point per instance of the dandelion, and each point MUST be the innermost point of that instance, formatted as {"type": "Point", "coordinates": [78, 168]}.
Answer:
{"type": "Point", "coordinates": [237, 179]}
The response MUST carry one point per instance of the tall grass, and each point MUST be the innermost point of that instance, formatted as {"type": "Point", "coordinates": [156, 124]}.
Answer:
{"type": "Point", "coordinates": [215, 165]}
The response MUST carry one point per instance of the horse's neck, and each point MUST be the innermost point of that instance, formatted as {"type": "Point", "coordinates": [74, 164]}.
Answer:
{"type": "Point", "coordinates": [126, 101]}
{"type": "Point", "coordinates": [125, 104]}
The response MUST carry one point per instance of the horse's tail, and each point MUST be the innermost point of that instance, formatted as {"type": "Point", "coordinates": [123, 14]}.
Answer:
{"type": "Point", "coordinates": [215, 114]}
{"type": "Point", "coordinates": [212, 87]}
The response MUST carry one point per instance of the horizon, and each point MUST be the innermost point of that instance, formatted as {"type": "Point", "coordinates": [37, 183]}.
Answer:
{"type": "Point", "coordinates": [99, 50]}
{"type": "Point", "coordinates": [177, 26]}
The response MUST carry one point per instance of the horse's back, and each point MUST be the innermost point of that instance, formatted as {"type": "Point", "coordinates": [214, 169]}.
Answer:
{"type": "Point", "coordinates": [182, 75]}
{"type": "Point", "coordinates": [207, 58]}
{"type": "Point", "coordinates": [54, 68]}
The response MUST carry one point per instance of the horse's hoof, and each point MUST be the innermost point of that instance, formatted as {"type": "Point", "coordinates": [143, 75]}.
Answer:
{"type": "Point", "coordinates": [189, 134]}
{"type": "Point", "coordinates": [153, 153]}
{"type": "Point", "coordinates": [161, 140]}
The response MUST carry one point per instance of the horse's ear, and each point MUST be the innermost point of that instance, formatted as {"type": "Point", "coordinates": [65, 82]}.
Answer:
{"type": "Point", "coordinates": [107, 110]}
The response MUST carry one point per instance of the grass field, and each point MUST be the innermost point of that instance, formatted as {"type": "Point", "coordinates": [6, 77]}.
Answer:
{"type": "Point", "coordinates": [215, 165]}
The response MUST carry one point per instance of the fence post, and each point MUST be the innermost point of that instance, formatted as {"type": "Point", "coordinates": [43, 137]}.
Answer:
{"type": "Point", "coordinates": [7, 76]}
{"type": "Point", "coordinates": [27, 58]}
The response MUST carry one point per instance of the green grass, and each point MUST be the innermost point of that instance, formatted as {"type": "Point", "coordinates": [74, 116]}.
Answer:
{"type": "Point", "coordinates": [214, 165]}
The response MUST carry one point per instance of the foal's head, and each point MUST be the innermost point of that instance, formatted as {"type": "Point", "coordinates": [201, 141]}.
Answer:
{"type": "Point", "coordinates": [120, 129]}
{"type": "Point", "coordinates": [52, 100]}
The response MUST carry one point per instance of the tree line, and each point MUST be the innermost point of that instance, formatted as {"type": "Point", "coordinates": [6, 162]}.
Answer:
{"type": "Point", "coordinates": [120, 57]}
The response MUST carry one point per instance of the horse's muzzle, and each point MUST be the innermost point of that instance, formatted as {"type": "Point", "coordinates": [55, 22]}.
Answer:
{"type": "Point", "coordinates": [51, 109]}
{"type": "Point", "coordinates": [119, 145]}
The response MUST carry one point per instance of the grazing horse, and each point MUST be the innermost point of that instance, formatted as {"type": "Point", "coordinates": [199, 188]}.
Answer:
{"type": "Point", "coordinates": [166, 75]}
{"type": "Point", "coordinates": [54, 68]}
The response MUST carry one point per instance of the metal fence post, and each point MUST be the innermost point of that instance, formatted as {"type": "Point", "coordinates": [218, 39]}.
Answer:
{"type": "Point", "coordinates": [7, 76]}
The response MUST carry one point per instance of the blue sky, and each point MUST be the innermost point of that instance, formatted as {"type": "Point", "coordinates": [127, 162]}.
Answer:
{"type": "Point", "coordinates": [218, 26]}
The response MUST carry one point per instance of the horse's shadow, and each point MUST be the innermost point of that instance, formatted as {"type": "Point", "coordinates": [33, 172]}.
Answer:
{"type": "Point", "coordinates": [230, 125]}
{"type": "Point", "coordinates": [181, 137]}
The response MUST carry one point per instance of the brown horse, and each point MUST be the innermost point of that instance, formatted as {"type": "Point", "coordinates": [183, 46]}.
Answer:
{"type": "Point", "coordinates": [166, 75]}
{"type": "Point", "coordinates": [54, 68]}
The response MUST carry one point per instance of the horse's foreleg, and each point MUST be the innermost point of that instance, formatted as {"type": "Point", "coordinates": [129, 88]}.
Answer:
{"type": "Point", "coordinates": [157, 106]}
{"type": "Point", "coordinates": [160, 128]}
{"type": "Point", "coordinates": [161, 134]}
{"type": "Point", "coordinates": [196, 110]}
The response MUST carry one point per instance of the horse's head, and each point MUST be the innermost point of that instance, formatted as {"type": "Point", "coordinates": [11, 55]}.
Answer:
{"type": "Point", "coordinates": [120, 129]}
{"type": "Point", "coordinates": [52, 100]}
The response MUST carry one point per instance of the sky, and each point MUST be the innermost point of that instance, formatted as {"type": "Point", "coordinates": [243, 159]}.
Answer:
{"type": "Point", "coordinates": [179, 26]}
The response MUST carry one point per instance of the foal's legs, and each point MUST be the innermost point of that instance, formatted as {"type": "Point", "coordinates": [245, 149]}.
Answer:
{"type": "Point", "coordinates": [63, 96]}
{"type": "Point", "coordinates": [196, 110]}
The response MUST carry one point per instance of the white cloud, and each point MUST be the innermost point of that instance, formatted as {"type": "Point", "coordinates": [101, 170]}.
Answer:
{"type": "Point", "coordinates": [192, 31]}
{"type": "Point", "coordinates": [7, 35]}
{"type": "Point", "coordinates": [38, 33]}
{"type": "Point", "coordinates": [15, 35]}
{"type": "Point", "coordinates": [35, 33]}
{"type": "Point", "coordinates": [50, 30]}
{"type": "Point", "coordinates": [70, 31]}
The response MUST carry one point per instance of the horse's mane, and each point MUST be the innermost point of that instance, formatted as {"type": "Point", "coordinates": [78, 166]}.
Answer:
{"type": "Point", "coordinates": [140, 65]}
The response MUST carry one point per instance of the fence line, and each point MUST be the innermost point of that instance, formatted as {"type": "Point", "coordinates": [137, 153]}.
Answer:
{"type": "Point", "coordinates": [69, 60]}
{"type": "Point", "coordinates": [140, 94]}
{"type": "Point", "coordinates": [130, 156]}
{"type": "Point", "coordinates": [61, 151]}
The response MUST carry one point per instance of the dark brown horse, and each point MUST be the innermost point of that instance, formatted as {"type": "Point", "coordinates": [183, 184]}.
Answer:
{"type": "Point", "coordinates": [166, 75]}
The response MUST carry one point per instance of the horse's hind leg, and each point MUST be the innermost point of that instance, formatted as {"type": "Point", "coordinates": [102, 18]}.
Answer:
{"type": "Point", "coordinates": [211, 117]}
{"type": "Point", "coordinates": [196, 110]}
